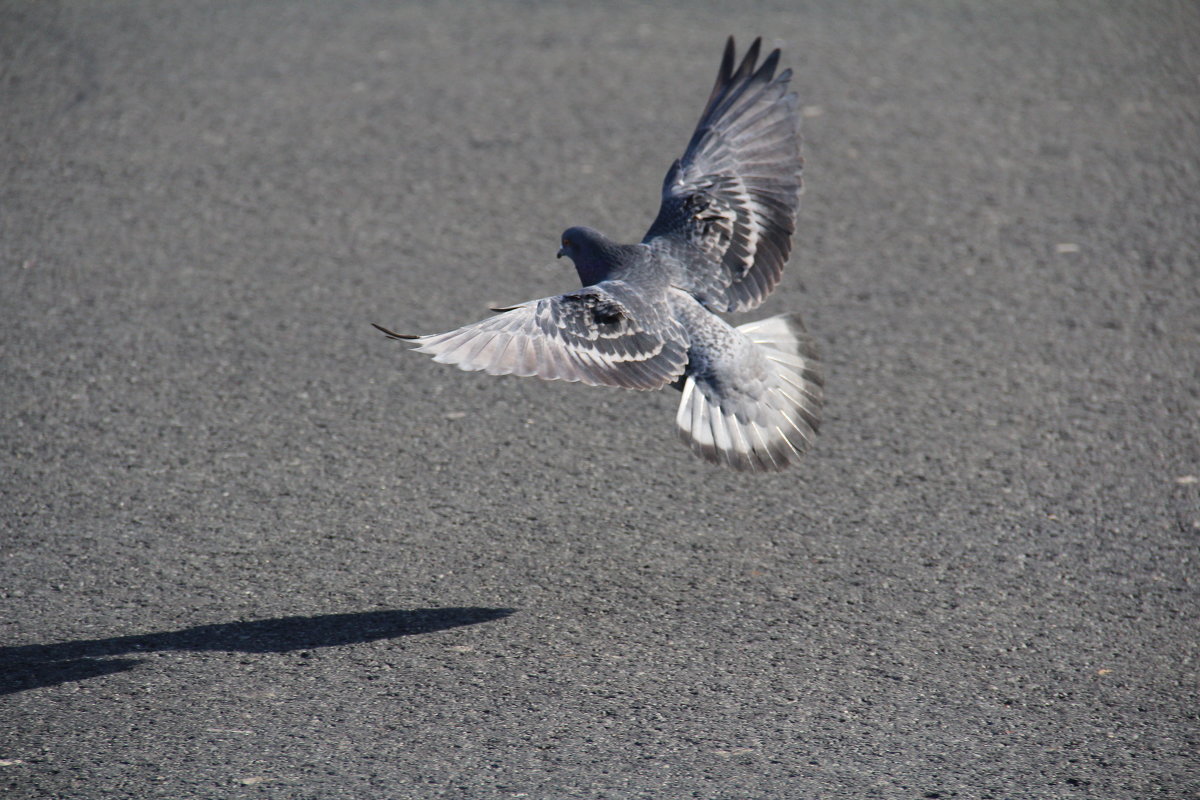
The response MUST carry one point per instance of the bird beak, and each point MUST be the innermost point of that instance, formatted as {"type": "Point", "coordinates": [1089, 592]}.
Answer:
{"type": "Point", "coordinates": [560, 253]}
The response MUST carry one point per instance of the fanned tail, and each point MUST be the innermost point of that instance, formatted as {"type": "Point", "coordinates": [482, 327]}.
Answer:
{"type": "Point", "coordinates": [764, 423]}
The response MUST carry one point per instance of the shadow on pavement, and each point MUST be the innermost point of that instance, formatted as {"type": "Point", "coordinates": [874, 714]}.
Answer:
{"type": "Point", "coordinates": [37, 665]}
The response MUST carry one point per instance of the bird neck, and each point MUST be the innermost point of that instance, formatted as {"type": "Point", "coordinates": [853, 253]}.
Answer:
{"type": "Point", "coordinates": [591, 272]}
{"type": "Point", "coordinates": [607, 261]}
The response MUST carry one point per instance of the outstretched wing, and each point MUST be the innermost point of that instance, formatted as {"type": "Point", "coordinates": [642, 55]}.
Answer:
{"type": "Point", "coordinates": [729, 204]}
{"type": "Point", "coordinates": [602, 335]}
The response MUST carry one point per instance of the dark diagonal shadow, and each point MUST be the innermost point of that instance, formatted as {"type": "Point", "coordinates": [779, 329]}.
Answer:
{"type": "Point", "coordinates": [36, 665]}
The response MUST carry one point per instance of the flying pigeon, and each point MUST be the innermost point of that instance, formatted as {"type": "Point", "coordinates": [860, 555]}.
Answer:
{"type": "Point", "coordinates": [646, 315]}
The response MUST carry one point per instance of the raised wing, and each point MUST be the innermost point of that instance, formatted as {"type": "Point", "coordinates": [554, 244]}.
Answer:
{"type": "Point", "coordinates": [601, 335]}
{"type": "Point", "coordinates": [729, 204]}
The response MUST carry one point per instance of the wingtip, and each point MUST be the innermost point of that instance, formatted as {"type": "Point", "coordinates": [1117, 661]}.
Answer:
{"type": "Point", "coordinates": [393, 334]}
{"type": "Point", "coordinates": [751, 57]}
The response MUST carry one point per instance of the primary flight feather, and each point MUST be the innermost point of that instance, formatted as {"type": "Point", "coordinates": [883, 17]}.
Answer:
{"type": "Point", "coordinates": [645, 317]}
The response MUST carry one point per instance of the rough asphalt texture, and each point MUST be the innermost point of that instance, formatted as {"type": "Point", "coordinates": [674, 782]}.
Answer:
{"type": "Point", "coordinates": [252, 549]}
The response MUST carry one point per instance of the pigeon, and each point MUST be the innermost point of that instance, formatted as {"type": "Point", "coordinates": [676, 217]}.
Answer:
{"type": "Point", "coordinates": [646, 316]}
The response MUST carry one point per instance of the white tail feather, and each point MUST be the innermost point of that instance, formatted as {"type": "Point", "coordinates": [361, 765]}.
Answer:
{"type": "Point", "coordinates": [768, 422]}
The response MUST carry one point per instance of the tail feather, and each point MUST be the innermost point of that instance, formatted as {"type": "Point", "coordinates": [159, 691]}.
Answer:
{"type": "Point", "coordinates": [763, 414]}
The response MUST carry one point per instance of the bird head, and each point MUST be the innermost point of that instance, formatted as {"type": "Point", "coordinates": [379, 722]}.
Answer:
{"type": "Point", "coordinates": [590, 250]}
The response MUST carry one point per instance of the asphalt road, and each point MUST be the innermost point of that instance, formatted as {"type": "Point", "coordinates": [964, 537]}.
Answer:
{"type": "Point", "coordinates": [252, 549]}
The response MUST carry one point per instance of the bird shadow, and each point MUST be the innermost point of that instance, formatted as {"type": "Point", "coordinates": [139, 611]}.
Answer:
{"type": "Point", "coordinates": [38, 665]}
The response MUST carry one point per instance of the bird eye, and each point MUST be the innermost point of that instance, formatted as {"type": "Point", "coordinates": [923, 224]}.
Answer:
{"type": "Point", "coordinates": [566, 242]}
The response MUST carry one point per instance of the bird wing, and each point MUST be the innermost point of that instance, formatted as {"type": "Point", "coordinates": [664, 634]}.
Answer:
{"type": "Point", "coordinates": [729, 203]}
{"type": "Point", "coordinates": [601, 335]}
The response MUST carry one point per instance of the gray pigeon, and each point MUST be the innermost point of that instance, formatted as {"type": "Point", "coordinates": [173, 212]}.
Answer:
{"type": "Point", "coordinates": [645, 319]}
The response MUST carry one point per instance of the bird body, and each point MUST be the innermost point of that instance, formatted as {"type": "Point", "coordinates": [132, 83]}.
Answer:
{"type": "Point", "coordinates": [645, 315]}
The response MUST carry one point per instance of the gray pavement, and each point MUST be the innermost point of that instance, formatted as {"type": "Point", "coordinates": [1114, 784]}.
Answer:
{"type": "Point", "coordinates": [250, 548]}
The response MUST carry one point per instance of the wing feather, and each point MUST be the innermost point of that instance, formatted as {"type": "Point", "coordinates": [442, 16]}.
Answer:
{"type": "Point", "coordinates": [729, 203]}
{"type": "Point", "coordinates": [602, 335]}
